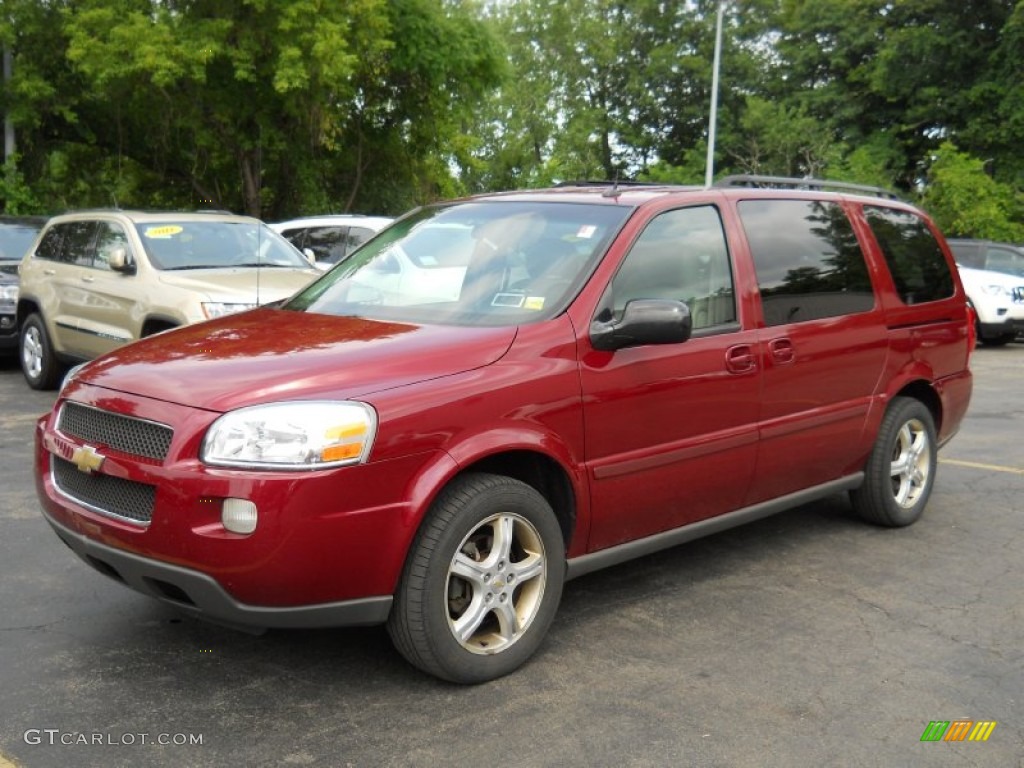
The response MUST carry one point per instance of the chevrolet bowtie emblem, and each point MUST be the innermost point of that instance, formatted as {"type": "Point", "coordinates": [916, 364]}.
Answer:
{"type": "Point", "coordinates": [86, 459]}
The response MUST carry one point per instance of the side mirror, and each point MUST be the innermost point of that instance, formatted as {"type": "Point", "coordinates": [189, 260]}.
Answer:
{"type": "Point", "coordinates": [644, 321]}
{"type": "Point", "coordinates": [119, 261]}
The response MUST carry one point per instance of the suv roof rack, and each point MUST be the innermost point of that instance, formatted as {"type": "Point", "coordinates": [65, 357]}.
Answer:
{"type": "Point", "coordinates": [748, 180]}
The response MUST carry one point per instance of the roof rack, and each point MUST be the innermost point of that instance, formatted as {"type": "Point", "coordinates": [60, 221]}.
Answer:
{"type": "Point", "coordinates": [607, 183]}
{"type": "Point", "coordinates": [770, 182]}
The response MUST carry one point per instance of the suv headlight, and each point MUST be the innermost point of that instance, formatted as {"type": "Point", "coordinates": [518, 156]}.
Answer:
{"type": "Point", "coordinates": [292, 435]}
{"type": "Point", "coordinates": [9, 292]}
{"type": "Point", "coordinates": [214, 309]}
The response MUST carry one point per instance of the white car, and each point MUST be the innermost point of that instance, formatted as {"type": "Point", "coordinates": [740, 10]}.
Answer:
{"type": "Point", "coordinates": [329, 239]}
{"type": "Point", "coordinates": [998, 301]}
{"type": "Point", "coordinates": [428, 265]}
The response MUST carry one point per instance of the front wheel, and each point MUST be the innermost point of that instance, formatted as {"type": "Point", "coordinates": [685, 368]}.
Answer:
{"type": "Point", "coordinates": [482, 581]}
{"type": "Point", "coordinates": [900, 473]}
{"type": "Point", "coordinates": [38, 362]}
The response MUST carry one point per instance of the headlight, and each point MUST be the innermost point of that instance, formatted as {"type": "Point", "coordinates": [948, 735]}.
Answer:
{"type": "Point", "coordinates": [995, 290]}
{"type": "Point", "coordinates": [9, 292]}
{"type": "Point", "coordinates": [293, 435]}
{"type": "Point", "coordinates": [214, 309]}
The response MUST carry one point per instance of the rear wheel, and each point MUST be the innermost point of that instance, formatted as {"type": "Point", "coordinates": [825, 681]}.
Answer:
{"type": "Point", "coordinates": [999, 341]}
{"type": "Point", "coordinates": [900, 473]}
{"type": "Point", "coordinates": [482, 581]}
{"type": "Point", "coordinates": [38, 362]}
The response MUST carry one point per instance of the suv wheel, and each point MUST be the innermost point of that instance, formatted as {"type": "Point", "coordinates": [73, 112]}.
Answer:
{"type": "Point", "coordinates": [901, 470]}
{"type": "Point", "coordinates": [38, 363]}
{"type": "Point", "coordinates": [482, 581]}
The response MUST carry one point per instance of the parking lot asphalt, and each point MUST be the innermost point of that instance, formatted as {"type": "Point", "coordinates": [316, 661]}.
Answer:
{"type": "Point", "coordinates": [806, 639]}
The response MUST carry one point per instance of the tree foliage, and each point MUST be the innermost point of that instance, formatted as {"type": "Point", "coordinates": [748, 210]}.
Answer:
{"type": "Point", "coordinates": [282, 107]}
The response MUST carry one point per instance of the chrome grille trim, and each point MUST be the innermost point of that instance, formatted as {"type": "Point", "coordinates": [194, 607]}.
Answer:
{"type": "Point", "coordinates": [127, 434]}
{"type": "Point", "coordinates": [108, 495]}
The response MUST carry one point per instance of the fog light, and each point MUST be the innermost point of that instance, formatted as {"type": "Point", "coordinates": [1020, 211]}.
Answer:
{"type": "Point", "coordinates": [238, 515]}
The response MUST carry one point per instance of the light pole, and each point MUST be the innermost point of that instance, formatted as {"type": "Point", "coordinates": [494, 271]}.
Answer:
{"type": "Point", "coordinates": [9, 146]}
{"type": "Point", "coordinates": [713, 119]}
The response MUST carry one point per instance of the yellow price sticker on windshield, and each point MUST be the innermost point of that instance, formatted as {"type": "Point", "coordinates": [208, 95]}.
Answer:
{"type": "Point", "coordinates": [165, 231]}
{"type": "Point", "coordinates": [534, 302]}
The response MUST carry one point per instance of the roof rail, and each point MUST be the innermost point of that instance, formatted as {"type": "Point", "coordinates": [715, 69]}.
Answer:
{"type": "Point", "coordinates": [609, 183]}
{"type": "Point", "coordinates": [770, 182]}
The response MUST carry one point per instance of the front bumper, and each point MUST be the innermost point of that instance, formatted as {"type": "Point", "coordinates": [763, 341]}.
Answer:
{"type": "Point", "coordinates": [200, 595]}
{"type": "Point", "coordinates": [8, 331]}
{"type": "Point", "coordinates": [328, 549]}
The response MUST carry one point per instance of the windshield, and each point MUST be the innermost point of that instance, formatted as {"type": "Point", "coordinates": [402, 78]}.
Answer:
{"type": "Point", "coordinates": [475, 263]}
{"type": "Point", "coordinates": [190, 244]}
{"type": "Point", "coordinates": [15, 240]}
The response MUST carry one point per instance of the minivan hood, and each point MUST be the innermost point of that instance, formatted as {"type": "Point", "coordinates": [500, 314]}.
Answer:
{"type": "Point", "coordinates": [267, 355]}
{"type": "Point", "coordinates": [241, 284]}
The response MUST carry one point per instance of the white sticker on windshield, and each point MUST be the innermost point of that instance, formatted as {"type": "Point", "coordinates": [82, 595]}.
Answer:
{"type": "Point", "coordinates": [586, 231]}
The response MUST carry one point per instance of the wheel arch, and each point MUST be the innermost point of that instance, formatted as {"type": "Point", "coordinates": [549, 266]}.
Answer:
{"type": "Point", "coordinates": [922, 390]}
{"type": "Point", "coordinates": [156, 323]}
{"type": "Point", "coordinates": [542, 473]}
{"type": "Point", "coordinates": [26, 307]}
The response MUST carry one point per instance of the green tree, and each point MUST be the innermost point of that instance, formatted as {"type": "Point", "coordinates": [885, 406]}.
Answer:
{"type": "Point", "coordinates": [966, 202]}
{"type": "Point", "coordinates": [272, 107]}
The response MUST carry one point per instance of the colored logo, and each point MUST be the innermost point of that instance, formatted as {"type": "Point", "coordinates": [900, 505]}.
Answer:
{"type": "Point", "coordinates": [959, 730]}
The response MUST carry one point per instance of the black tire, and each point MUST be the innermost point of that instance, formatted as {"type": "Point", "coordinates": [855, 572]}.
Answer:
{"type": "Point", "coordinates": [39, 364]}
{"type": "Point", "coordinates": [999, 341]}
{"type": "Point", "coordinates": [900, 472]}
{"type": "Point", "coordinates": [467, 610]}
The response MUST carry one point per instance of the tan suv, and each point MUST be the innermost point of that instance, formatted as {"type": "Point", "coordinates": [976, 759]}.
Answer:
{"type": "Point", "coordinates": [98, 279]}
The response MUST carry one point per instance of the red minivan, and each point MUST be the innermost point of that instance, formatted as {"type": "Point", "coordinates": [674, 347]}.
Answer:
{"type": "Point", "coordinates": [500, 393]}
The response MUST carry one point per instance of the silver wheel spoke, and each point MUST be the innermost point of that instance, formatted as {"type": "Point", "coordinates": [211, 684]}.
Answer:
{"type": "Point", "coordinates": [469, 622]}
{"type": "Point", "coordinates": [508, 621]}
{"type": "Point", "coordinates": [530, 568]}
{"type": "Point", "coordinates": [466, 568]}
{"type": "Point", "coordinates": [504, 535]}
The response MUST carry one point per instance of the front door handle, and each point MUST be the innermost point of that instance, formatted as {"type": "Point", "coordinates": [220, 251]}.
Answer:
{"type": "Point", "coordinates": [740, 359]}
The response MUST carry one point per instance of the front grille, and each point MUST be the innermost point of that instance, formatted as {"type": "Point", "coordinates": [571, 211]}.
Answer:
{"type": "Point", "coordinates": [108, 495]}
{"type": "Point", "coordinates": [127, 434]}
{"type": "Point", "coordinates": [1018, 294]}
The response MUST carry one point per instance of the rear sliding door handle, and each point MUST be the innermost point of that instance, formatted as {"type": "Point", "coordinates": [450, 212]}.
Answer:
{"type": "Point", "coordinates": [781, 351]}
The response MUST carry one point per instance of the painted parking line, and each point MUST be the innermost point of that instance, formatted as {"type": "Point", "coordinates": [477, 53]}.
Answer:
{"type": "Point", "coordinates": [990, 467]}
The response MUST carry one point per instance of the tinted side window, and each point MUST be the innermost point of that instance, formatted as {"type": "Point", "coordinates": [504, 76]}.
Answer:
{"type": "Point", "coordinates": [51, 244]}
{"type": "Point", "coordinates": [78, 243]}
{"type": "Point", "coordinates": [913, 254]}
{"type": "Point", "coordinates": [327, 243]}
{"type": "Point", "coordinates": [296, 237]}
{"type": "Point", "coordinates": [357, 236]}
{"type": "Point", "coordinates": [1005, 260]}
{"type": "Point", "coordinates": [681, 255]}
{"type": "Point", "coordinates": [109, 236]}
{"type": "Point", "coordinates": [809, 264]}
{"type": "Point", "coordinates": [968, 254]}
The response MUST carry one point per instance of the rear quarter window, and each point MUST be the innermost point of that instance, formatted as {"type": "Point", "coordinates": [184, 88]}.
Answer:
{"type": "Point", "coordinates": [808, 261]}
{"type": "Point", "coordinates": [918, 267]}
